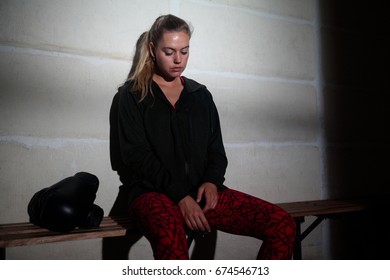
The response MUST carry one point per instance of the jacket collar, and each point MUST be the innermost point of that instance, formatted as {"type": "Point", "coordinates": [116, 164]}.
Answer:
{"type": "Point", "coordinates": [191, 85]}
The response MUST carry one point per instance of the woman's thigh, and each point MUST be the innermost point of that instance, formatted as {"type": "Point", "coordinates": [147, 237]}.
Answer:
{"type": "Point", "coordinates": [162, 223]}
{"type": "Point", "coordinates": [243, 214]}
{"type": "Point", "coordinates": [154, 211]}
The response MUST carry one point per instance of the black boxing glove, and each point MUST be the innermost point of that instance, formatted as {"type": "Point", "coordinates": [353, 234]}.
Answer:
{"type": "Point", "coordinates": [67, 204]}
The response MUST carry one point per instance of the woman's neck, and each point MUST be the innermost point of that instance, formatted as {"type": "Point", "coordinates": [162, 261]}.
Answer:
{"type": "Point", "coordinates": [163, 82]}
{"type": "Point", "coordinates": [172, 89]}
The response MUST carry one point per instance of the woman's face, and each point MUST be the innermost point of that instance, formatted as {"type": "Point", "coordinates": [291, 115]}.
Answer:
{"type": "Point", "coordinates": [171, 54]}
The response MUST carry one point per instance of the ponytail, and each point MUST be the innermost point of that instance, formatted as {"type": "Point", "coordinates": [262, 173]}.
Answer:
{"type": "Point", "coordinates": [142, 69]}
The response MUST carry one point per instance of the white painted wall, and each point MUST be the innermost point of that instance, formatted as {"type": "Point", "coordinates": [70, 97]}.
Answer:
{"type": "Point", "coordinates": [62, 61]}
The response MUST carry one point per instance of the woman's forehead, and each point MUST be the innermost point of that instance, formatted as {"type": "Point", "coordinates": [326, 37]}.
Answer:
{"type": "Point", "coordinates": [174, 39]}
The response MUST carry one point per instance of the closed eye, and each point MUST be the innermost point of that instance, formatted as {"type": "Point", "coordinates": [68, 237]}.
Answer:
{"type": "Point", "coordinates": [184, 50]}
{"type": "Point", "coordinates": [169, 51]}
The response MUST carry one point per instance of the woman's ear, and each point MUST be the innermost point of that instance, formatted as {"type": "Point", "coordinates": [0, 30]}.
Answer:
{"type": "Point", "coordinates": [152, 50]}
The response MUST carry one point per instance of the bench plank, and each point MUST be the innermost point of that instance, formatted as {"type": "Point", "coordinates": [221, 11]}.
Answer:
{"type": "Point", "coordinates": [324, 207]}
{"type": "Point", "coordinates": [20, 234]}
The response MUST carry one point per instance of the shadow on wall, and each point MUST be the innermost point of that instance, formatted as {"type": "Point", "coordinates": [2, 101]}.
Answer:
{"type": "Point", "coordinates": [354, 60]}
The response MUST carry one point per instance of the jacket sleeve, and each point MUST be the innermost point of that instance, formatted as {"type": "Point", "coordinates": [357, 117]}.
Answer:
{"type": "Point", "coordinates": [137, 154]}
{"type": "Point", "coordinates": [216, 156]}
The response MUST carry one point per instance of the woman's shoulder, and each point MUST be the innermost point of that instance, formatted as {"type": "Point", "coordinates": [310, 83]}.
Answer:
{"type": "Point", "coordinates": [125, 93]}
{"type": "Point", "coordinates": [192, 85]}
{"type": "Point", "coordinates": [126, 89]}
{"type": "Point", "coordinates": [126, 86]}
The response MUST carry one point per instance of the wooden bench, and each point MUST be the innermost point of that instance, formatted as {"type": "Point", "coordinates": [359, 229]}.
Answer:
{"type": "Point", "coordinates": [321, 209]}
{"type": "Point", "coordinates": [22, 234]}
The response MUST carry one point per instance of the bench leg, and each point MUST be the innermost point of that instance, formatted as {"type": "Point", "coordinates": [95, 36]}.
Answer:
{"type": "Point", "coordinates": [297, 252]}
{"type": "Point", "coordinates": [312, 226]}
{"type": "Point", "coordinates": [2, 253]}
{"type": "Point", "coordinates": [191, 235]}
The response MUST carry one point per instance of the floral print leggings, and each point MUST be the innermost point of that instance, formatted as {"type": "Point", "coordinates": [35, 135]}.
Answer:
{"type": "Point", "coordinates": [163, 225]}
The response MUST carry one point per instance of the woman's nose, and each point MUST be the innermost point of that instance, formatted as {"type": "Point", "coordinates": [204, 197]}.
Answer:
{"type": "Point", "coordinates": [177, 58]}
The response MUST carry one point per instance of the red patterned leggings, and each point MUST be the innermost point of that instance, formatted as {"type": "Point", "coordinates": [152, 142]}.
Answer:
{"type": "Point", "coordinates": [163, 225]}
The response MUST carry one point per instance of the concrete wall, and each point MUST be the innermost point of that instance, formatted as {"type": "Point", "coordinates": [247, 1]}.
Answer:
{"type": "Point", "coordinates": [62, 61]}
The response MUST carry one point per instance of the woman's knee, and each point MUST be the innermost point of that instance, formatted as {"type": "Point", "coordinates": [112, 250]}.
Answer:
{"type": "Point", "coordinates": [286, 224]}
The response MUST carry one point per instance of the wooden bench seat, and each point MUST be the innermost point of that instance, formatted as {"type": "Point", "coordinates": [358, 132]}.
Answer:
{"type": "Point", "coordinates": [324, 207]}
{"type": "Point", "coordinates": [321, 209]}
{"type": "Point", "coordinates": [22, 234]}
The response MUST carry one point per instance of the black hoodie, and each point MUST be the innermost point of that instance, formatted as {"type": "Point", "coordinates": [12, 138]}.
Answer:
{"type": "Point", "coordinates": [156, 147]}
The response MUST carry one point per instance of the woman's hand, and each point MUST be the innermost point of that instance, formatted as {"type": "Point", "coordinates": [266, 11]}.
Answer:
{"type": "Point", "coordinates": [210, 191]}
{"type": "Point", "coordinates": [193, 214]}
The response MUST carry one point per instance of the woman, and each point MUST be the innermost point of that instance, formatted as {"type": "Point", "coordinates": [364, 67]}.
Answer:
{"type": "Point", "coordinates": [166, 145]}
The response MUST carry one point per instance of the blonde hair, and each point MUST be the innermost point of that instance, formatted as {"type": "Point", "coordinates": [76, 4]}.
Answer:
{"type": "Point", "coordinates": [143, 65]}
